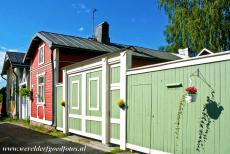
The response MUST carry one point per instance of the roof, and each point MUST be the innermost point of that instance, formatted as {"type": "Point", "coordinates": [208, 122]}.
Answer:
{"type": "Point", "coordinates": [204, 52]}
{"type": "Point", "coordinates": [68, 41]}
{"type": "Point", "coordinates": [13, 59]}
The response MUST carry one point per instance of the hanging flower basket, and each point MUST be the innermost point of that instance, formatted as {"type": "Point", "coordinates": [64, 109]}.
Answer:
{"type": "Point", "coordinates": [62, 102]}
{"type": "Point", "coordinates": [121, 103]}
{"type": "Point", "coordinates": [25, 92]}
{"type": "Point", "coordinates": [191, 94]}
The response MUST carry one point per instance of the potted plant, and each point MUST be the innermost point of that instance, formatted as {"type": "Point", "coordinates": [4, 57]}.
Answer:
{"type": "Point", "coordinates": [25, 92]}
{"type": "Point", "coordinates": [62, 102]}
{"type": "Point", "coordinates": [191, 94]}
{"type": "Point", "coordinates": [121, 103]}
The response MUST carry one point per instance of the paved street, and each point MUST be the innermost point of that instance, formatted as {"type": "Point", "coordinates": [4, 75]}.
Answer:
{"type": "Point", "coordinates": [15, 136]}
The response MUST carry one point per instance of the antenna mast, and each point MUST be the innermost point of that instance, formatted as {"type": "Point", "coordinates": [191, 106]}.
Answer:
{"type": "Point", "coordinates": [94, 10]}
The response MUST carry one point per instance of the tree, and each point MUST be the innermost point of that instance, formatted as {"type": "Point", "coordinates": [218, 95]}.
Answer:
{"type": "Point", "coordinates": [197, 24]}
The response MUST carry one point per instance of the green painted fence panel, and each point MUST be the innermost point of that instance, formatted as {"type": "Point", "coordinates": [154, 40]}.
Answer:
{"type": "Point", "coordinates": [115, 75]}
{"type": "Point", "coordinates": [114, 108]}
{"type": "Point", "coordinates": [153, 107]}
{"type": "Point", "coordinates": [75, 94]}
{"type": "Point", "coordinates": [139, 110]}
{"type": "Point", "coordinates": [93, 93]}
{"type": "Point", "coordinates": [93, 127]}
{"type": "Point", "coordinates": [75, 123]}
{"type": "Point", "coordinates": [59, 107]}
{"type": "Point", "coordinates": [115, 131]}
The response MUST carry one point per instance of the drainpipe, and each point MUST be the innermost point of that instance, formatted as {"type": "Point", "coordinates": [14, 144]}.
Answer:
{"type": "Point", "coordinates": [53, 89]}
{"type": "Point", "coordinates": [17, 90]}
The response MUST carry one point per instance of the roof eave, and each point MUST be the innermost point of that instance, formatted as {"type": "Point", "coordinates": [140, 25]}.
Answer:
{"type": "Point", "coordinates": [40, 36]}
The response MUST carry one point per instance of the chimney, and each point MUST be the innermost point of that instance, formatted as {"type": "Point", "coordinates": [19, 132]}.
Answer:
{"type": "Point", "coordinates": [184, 53]}
{"type": "Point", "coordinates": [102, 33]}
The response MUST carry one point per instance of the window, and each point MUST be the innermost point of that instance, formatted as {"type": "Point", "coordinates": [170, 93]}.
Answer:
{"type": "Point", "coordinates": [41, 92]}
{"type": "Point", "coordinates": [41, 54]}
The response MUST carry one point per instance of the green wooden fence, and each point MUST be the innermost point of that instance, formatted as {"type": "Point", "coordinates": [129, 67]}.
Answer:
{"type": "Point", "coordinates": [152, 109]}
{"type": "Point", "coordinates": [59, 107]}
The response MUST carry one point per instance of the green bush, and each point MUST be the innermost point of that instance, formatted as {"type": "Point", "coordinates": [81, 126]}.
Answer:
{"type": "Point", "coordinates": [24, 92]}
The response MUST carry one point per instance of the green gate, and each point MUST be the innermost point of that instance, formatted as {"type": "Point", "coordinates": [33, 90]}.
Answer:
{"type": "Point", "coordinates": [59, 107]}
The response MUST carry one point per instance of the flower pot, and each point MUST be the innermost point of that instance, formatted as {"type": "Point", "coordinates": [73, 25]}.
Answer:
{"type": "Point", "coordinates": [189, 98]}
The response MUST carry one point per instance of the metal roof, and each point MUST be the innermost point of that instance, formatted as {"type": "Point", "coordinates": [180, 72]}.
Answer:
{"type": "Point", "coordinates": [68, 41]}
{"type": "Point", "coordinates": [76, 42]}
{"type": "Point", "coordinates": [13, 59]}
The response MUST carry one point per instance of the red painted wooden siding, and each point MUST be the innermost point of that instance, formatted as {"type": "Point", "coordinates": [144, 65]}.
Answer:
{"type": "Point", "coordinates": [38, 69]}
{"type": "Point", "coordinates": [138, 62]}
{"type": "Point", "coordinates": [68, 57]}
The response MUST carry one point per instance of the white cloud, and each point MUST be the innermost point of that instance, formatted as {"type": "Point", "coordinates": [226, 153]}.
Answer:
{"type": "Point", "coordinates": [13, 50]}
{"type": "Point", "coordinates": [3, 48]}
{"type": "Point", "coordinates": [81, 29]}
{"type": "Point", "coordinates": [2, 57]}
{"type": "Point", "coordinates": [82, 6]}
{"type": "Point", "coordinates": [87, 10]}
{"type": "Point", "coordinates": [133, 20]}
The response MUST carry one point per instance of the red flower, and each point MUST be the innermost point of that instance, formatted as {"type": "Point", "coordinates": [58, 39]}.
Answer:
{"type": "Point", "coordinates": [191, 90]}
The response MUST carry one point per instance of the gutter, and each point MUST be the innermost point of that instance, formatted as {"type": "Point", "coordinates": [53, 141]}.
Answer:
{"type": "Point", "coordinates": [53, 90]}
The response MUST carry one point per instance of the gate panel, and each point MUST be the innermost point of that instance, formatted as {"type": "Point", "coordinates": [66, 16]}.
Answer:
{"type": "Point", "coordinates": [59, 107]}
{"type": "Point", "coordinates": [75, 102]}
{"type": "Point", "coordinates": [139, 111]}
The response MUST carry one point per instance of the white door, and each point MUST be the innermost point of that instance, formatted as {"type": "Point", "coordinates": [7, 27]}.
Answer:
{"type": "Point", "coordinates": [24, 108]}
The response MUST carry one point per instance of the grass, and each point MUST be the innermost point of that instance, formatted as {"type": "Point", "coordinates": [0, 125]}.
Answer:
{"type": "Point", "coordinates": [41, 129]}
{"type": "Point", "coordinates": [116, 150]}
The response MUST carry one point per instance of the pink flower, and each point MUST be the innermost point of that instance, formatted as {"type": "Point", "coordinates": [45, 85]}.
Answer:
{"type": "Point", "coordinates": [191, 90]}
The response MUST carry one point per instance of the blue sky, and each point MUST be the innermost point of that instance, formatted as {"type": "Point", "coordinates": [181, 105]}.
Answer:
{"type": "Point", "coordinates": [133, 22]}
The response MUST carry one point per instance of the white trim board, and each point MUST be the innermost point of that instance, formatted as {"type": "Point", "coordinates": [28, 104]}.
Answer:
{"type": "Point", "coordinates": [115, 121]}
{"type": "Point", "coordinates": [46, 122]}
{"type": "Point", "coordinates": [98, 137]}
{"type": "Point", "coordinates": [59, 128]}
{"type": "Point", "coordinates": [59, 85]}
{"type": "Point", "coordinates": [114, 60]}
{"type": "Point", "coordinates": [181, 63]}
{"type": "Point", "coordinates": [85, 68]}
{"type": "Point", "coordinates": [145, 150]}
{"type": "Point", "coordinates": [90, 118]}
{"type": "Point", "coordinates": [98, 94]}
{"type": "Point", "coordinates": [115, 141]}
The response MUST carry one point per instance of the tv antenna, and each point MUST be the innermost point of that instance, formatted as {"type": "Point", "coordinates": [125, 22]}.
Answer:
{"type": "Point", "coordinates": [94, 11]}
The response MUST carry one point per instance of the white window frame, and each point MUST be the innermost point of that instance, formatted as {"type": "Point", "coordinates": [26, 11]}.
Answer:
{"type": "Point", "coordinates": [78, 94]}
{"type": "Point", "coordinates": [41, 48]}
{"type": "Point", "coordinates": [39, 75]}
{"type": "Point", "coordinates": [98, 94]}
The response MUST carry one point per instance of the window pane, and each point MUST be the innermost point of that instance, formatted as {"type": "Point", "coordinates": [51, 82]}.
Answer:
{"type": "Point", "coordinates": [40, 79]}
{"type": "Point", "coordinates": [41, 89]}
{"type": "Point", "coordinates": [41, 55]}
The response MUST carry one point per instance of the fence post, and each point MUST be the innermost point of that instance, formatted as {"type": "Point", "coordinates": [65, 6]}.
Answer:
{"type": "Point", "coordinates": [125, 61]}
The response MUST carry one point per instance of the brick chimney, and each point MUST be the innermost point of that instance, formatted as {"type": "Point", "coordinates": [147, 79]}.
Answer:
{"type": "Point", "coordinates": [102, 33]}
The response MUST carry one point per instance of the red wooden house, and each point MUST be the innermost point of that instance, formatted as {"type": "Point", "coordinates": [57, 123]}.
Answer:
{"type": "Point", "coordinates": [48, 52]}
